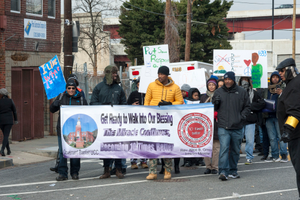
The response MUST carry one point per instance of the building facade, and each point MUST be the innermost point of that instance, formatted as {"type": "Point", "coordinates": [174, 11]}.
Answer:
{"type": "Point", "coordinates": [30, 37]}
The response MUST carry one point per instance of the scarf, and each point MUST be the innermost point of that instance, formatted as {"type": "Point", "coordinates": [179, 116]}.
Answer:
{"type": "Point", "coordinates": [272, 88]}
{"type": "Point", "coordinates": [251, 94]}
{"type": "Point", "coordinates": [210, 95]}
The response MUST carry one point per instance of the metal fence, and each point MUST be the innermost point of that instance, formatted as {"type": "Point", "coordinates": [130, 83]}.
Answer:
{"type": "Point", "coordinates": [87, 82]}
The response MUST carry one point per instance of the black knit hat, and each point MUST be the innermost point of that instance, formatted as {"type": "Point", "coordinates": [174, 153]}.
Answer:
{"type": "Point", "coordinates": [230, 75]}
{"type": "Point", "coordinates": [73, 76]}
{"type": "Point", "coordinates": [71, 82]}
{"type": "Point", "coordinates": [164, 70]}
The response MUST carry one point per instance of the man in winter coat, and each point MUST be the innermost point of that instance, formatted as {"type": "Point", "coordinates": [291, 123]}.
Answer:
{"type": "Point", "coordinates": [232, 104]}
{"type": "Point", "coordinates": [274, 91]}
{"type": "Point", "coordinates": [109, 92]}
{"type": "Point", "coordinates": [163, 91]}
{"type": "Point", "coordinates": [288, 112]}
{"type": "Point", "coordinates": [257, 103]}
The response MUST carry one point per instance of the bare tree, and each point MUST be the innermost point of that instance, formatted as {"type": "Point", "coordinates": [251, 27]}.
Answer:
{"type": "Point", "coordinates": [93, 38]}
{"type": "Point", "coordinates": [171, 33]}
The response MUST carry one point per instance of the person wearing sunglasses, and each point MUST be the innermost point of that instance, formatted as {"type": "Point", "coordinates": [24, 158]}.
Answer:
{"type": "Point", "coordinates": [288, 112]}
{"type": "Point", "coordinates": [70, 97]}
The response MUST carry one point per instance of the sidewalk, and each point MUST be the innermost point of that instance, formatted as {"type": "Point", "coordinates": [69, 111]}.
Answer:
{"type": "Point", "coordinates": [30, 151]}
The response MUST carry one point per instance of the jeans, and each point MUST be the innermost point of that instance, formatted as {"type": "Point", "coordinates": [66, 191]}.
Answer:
{"type": "Point", "coordinates": [249, 131]}
{"type": "Point", "coordinates": [274, 133]}
{"type": "Point", "coordinates": [266, 141]}
{"type": "Point", "coordinates": [260, 134]}
{"type": "Point", "coordinates": [63, 165]}
{"type": "Point", "coordinates": [228, 161]}
{"type": "Point", "coordinates": [123, 163]}
{"type": "Point", "coordinates": [109, 162]}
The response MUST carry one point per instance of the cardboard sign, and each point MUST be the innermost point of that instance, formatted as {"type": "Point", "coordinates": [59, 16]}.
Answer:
{"type": "Point", "coordinates": [154, 57]}
{"type": "Point", "coordinates": [249, 63]}
{"type": "Point", "coordinates": [53, 78]}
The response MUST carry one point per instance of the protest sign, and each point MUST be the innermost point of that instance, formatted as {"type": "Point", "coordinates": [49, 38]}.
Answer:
{"type": "Point", "coordinates": [151, 132]}
{"type": "Point", "coordinates": [239, 61]}
{"type": "Point", "coordinates": [154, 57]}
{"type": "Point", "coordinates": [194, 78]}
{"type": "Point", "coordinates": [53, 78]}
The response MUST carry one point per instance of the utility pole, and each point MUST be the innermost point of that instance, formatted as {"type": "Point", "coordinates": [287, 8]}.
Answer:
{"type": "Point", "coordinates": [188, 31]}
{"type": "Point", "coordinates": [272, 19]}
{"type": "Point", "coordinates": [68, 58]}
{"type": "Point", "coordinates": [294, 29]}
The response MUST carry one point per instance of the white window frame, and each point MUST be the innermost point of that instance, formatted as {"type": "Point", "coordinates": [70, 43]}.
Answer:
{"type": "Point", "coordinates": [32, 14]}
{"type": "Point", "coordinates": [15, 11]}
{"type": "Point", "coordinates": [53, 17]}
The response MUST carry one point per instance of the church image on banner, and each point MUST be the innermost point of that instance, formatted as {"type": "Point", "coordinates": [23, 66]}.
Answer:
{"type": "Point", "coordinates": [79, 139]}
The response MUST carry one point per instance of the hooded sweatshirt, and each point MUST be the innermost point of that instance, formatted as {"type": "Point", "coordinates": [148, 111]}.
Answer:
{"type": "Point", "coordinates": [191, 92]}
{"type": "Point", "coordinates": [271, 94]}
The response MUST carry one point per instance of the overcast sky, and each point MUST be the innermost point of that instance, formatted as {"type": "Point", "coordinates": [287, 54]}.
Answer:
{"type": "Point", "coordinates": [240, 5]}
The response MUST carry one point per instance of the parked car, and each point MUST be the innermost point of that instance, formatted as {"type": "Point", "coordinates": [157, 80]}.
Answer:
{"type": "Point", "coordinates": [282, 6]}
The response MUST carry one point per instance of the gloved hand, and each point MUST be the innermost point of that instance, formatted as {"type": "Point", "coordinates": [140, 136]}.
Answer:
{"type": "Point", "coordinates": [286, 135]}
{"type": "Point", "coordinates": [16, 122]}
{"type": "Point", "coordinates": [56, 103]}
{"type": "Point", "coordinates": [164, 103]}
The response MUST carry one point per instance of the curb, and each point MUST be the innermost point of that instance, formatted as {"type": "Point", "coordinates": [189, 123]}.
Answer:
{"type": "Point", "coordinates": [51, 154]}
{"type": "Point", "coordinates": [6, 162]}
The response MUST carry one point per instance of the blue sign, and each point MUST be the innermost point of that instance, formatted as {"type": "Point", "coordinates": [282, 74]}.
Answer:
{"type": "Point", "coordinates": [53, 78]}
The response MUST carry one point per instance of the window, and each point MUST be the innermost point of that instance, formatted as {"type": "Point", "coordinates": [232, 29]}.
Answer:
{"type": "Point", "coordinates": [15, 5]}
{"type": "Point", "coordinates": [34, 7]}
{"type": "Point", "coordinates": [51, 8]}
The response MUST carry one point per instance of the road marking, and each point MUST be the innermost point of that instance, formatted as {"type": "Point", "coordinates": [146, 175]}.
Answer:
{"type": "Point", "coordinates": [253, 194]}
{"type": "Point", "coordinates": [95, 186]}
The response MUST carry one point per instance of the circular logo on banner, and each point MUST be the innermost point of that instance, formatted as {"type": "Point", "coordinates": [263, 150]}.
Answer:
{"type": "Point", "coordinates": [80, 131]}
{"type": "Point", "coordinates": [195, 130]}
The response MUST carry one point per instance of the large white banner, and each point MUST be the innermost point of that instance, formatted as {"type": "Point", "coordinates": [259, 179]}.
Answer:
{"type": "Point", "coordinates": [251, 63]}
{"type": "Point", "coordinates": [154, 57]}
{"type": "Point", "coordinates": [36, 29]}
{"type": "Point", "coordinates": [194, 78]}
{"type": "Point", "coordinates": [137, 131]}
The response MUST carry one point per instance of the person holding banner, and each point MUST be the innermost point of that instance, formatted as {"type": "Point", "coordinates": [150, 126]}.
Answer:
{"type": "Point", "coordinates": [70, 97]}
{"type": "Point", "coordinates": [212, 163]}
{"type": "Point", "coordinates": [163, 91]}
{"type": "Point", "coordinates": [232, 104]}
{"type": "Point", "coordinates": [109, 92]}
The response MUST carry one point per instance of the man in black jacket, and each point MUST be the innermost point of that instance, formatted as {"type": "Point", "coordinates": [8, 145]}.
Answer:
{"type": "Point", "coordinates": [257, 103]}
{"type": "Point", "coordinates": [109, 92]}
{"type": "Point", "coordinates": [232, 104]}
{"type": "Point", "coordinates": [288, 112]}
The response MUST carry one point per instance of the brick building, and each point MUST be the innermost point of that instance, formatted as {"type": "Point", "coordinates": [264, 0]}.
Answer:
{"type": "Point", "coordinates": [29, 37]}
{"type": "Point", "coordinates": [80, 138]}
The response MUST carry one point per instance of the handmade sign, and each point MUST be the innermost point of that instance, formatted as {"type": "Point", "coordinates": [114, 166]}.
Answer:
{"type": "Point", "coordinates": [194, 78]}
{"type": "Point", "coordinates": [154, 57]}
{"type": "Point", "coordinates": [151, 132]}
{"type": "Point", "coordinates": [53, 78]}
{"type": "Point", "coordinates": [250, 63]}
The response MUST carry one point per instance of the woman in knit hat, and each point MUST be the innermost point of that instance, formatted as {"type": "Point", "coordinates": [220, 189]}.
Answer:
{"type": "Point", "coordinates": [212, 163]}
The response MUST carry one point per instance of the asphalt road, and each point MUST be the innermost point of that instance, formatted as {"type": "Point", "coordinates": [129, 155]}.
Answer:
{"type": "Point", "coordinates": [268, 181]}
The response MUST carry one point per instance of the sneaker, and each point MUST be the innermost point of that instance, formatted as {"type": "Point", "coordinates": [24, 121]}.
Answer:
{"type": "Point", "coordinates": [234, 175]}
{"type": "Point", "coordinates": [75, 177]}
{"type": "Point", "coordinates": [284, 159]}
{"type": "Point", "coordinates": [248, 162]}
{"type": "Point", "coordinates": [223, 177]}
{"type": "Point", "coordinates": [61, 178]}
{"type": "Point", "coordinates": [277, 160]}
{"type": "Point", "coordinates": [207, 171]}
{"type": "Point", "coordinates": [271, 159]}
{"type": "Point", "coordinates": [264, 158]}
{"type": "Point", "coordinates": [214, 171]}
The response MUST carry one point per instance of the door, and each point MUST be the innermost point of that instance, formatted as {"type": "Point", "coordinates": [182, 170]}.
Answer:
{"type": "Point", "coordinates": [28, 95]}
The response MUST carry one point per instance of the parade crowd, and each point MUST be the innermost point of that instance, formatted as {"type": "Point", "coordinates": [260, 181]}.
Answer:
{"type": "Point", "coordinates": [263, 117]}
